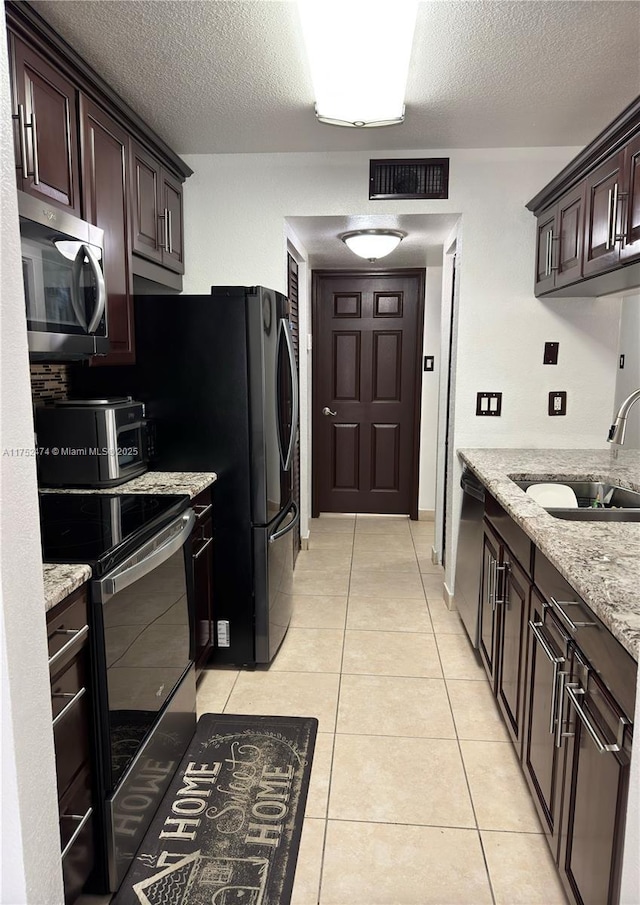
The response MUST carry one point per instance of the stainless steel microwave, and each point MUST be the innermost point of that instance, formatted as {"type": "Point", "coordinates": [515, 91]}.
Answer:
{"type": "Point", "coordinates": [64, 283]}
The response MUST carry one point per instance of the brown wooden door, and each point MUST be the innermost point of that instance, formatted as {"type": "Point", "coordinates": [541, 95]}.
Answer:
{"type": "Point", "coordinates": [630, 244]}
{"type": "Point", "coordinates": [367, 347]}
{"type": "Point", "coordinates": [595, 793]}
{"type": "Point", "coordinates": [509, 679]}
{"type": "Point", "coordinates": [542, 754]}
{"type": "Point", "coordinates": [489, 613]}
{"type": "Point", "coordinates": [147, 234]}
{"type": "Point", "coordinates": [105, 153]}
{"type": "Point", "coordinates": [602, 216]}
{"type": "Point", "coordinates": [50, 134]}
{"type": "Point", "coordinates": [569, 232]}
{"type": "Point", "coordinates": [171, 208]}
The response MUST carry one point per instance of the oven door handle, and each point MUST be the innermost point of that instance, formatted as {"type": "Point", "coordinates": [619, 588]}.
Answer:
{"type": "Point", "coordinates": [124, 575]}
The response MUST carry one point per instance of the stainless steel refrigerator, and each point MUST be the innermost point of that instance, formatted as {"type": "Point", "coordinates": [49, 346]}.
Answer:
{"type": "Point", "coordinates": [219, 379]}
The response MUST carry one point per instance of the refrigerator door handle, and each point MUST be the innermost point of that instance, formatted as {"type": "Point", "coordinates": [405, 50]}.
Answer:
{"type": "Point", "coordinates": [295, 401]}
{"type": "Point", "coordinates": [294, 521]}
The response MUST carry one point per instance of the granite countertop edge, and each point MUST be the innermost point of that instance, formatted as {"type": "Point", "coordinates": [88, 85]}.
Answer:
{"type": "Point", "coordinates": [62, 579]}
{"type": "Point", "coordinates": [601, 561]}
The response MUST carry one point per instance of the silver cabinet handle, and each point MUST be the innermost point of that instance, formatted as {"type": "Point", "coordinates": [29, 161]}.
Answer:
{"type": "Point", "coordinates": [562, 682]}
{"type": "Point", "coordinates": [81, 825]}
{"type": "Point", "coordinates": [568, 621]}
{"type": "Point", "coordinates": [201, 511]}
{"type": "Point", "coordinates": [34, 140]}
{"type": "Point", "coordinates": [23, 125]}
{"type": "Point", "coordinates": [72, 703]}
{"type": "Point", "coordinates": [77, 635]}
{"type": "Point", "coordinates": [327, 411]}
{"type": "Point", "coordinates": [22, 138]}
{"type": "Point", "coordinates": [503, 570]}
{"type": "Point", "coordinates": [573, 690]}
{"type": "Point", "coordinates": [609, 242]}
{"type": "Point", "coordinates": [492, 582]}
{"type": "Point", "coordinates": [169, 231]}
{"type": "Point", "coordinates": [536, 628]}
{"type": "Point", "coordinates": [166, 229]}
{"type": "Point", "coordinates": [202, 548]}
{"type": "Point", "coordinates": [101, 301]}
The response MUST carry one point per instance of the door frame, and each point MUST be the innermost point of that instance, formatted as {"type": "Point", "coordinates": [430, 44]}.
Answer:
{"type": "Point", "coordinates": [316, 276]}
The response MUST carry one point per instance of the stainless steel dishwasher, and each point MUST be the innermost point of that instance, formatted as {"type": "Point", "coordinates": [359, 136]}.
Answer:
{"type": "Point", "coordinates": [469, 557]}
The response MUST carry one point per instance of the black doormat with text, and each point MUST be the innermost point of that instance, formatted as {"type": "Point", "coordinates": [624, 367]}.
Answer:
{"type": "Point", "coordinates": [228, 829]}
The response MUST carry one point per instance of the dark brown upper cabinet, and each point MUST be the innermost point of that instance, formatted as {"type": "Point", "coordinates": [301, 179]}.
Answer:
{"type": "Point", "coordinates": [630, 242]}
{"type": "Point", "coordinates": [46, 132]}
{"type": "Point", "coordinates": [105, 154]}
{"type": "Point", "coordinates": [588, 230]}
{"type": "Point", "coordinates": [156, 205]}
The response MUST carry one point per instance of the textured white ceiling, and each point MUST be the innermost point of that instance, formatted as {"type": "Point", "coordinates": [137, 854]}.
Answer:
{"type": "Point", "coordinates": [219, 76]}
{"type": "Point", "coordinates": [426, 234]}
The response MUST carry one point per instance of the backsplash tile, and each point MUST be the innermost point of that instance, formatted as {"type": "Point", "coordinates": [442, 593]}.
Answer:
{"type": "Point", "coordinates": [49, 382]}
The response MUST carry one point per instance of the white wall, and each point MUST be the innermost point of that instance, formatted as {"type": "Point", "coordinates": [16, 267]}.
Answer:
{"type": "Point", "coordinates": [30, 846]}
{"type": "Point", "coordinates": [628, 378]}
{"type": "Point", "coordinates": [430, 390]}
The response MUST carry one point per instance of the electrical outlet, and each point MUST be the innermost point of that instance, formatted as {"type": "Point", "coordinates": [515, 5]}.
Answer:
{"type": "Point", "coordinates": [557, 402]}
{"type": "Point", "coordinates": [550, 354]}
{"type": "Point", "coordinates": [489, 404]}
{"type": "Point", "coordinates": [429, 362]}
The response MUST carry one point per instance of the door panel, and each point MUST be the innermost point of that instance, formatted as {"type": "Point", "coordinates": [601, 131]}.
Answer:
{"type": "Point", "coordinates": [367, 347]}
{"type": "Point", "coordinates": [510, 672]}
{"type": "Point", "coordinates": [145, 213]}
{"type": "Point", "coordinates": [545, 278]}
{"type": "Point", "coordinates": [570, 219]}
{"type": "Point", "coordinates": [172, 257]}
{"type": "Point", "coordinates": [489, 613]}
{"type": "Point", "coordinates": [630, 247]}
{"type": "Point", "coordinates": [601, 250]}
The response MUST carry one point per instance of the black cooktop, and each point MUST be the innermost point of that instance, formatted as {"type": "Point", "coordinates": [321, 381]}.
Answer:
{"type": "Point", "coordinates": [102, 529]}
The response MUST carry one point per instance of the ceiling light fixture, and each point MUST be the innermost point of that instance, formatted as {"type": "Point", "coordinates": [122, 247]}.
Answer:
{"type": "Point", "coordinates": [372, 243]}
{"type": "Point", "coordinates": [359, 52]}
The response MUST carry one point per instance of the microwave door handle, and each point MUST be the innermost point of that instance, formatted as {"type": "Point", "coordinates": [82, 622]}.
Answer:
{"type": "Point", "coordinates": [102, 289]}
{"type": "Point", "coordinates": [295, 402]}
{"type": "Point", "coordinates": [78, 308]}
{"type": "Point", "coordinates": [124, 576]}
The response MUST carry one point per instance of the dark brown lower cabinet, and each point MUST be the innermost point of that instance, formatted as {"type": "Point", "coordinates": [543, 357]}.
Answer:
{"type": "Point", "coordinates": [489, 614]}
{"type": "Point", "coordinates": [67, 634]}
{"type": "Point", "coordinates": [202, 558]}
{"type": "Point", "coordinates": [598, 753]}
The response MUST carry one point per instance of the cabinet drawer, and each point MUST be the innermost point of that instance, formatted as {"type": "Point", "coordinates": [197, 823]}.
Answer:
{"type": "Point", "coordinates": [76, 836]}
{"type": "Point", "coordinates": [514, 537]}
{"type": "Point", "coordinates": [70, 708]}
{"type": "Point", "coordinates": [67, 629]}
{"type": "Point", "coordinates": [615, 667]}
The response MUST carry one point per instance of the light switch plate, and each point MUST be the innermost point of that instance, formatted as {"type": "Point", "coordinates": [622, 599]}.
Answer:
{"type": "Point", "coordinates": [489, 404]}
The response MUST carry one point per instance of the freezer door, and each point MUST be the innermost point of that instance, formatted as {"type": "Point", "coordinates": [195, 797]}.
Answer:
{"type": "Point", "coordinates": [273, 552]}
{"type": "Point", "coordinates": [273, 384]}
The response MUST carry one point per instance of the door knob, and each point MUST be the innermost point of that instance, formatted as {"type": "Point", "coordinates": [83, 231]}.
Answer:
{"type": "Point", "coordinates": [327, 411]}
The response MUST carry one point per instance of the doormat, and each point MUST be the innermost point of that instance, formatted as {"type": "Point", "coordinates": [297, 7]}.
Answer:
{"type": "Point", "coordinates": [228, 829]}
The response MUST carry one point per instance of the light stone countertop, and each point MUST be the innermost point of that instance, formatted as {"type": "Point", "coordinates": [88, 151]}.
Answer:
{"type": "Point", "coordinates": [163, 482]}
{"type": "Point", "coordinates": [61, 579]}
{"type": "Point", "coordinates": [601, 560]}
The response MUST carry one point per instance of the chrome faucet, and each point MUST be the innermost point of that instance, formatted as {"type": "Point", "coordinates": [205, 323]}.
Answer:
{"type": "Point", "coordinates": [619, 426]}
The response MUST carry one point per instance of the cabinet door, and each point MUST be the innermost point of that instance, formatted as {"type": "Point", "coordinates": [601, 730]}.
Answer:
{"type": "Point", "coordinates": [488, 611]}
{"type": "Point", "coordinates": [514, 606]}
{"type": "Point", "coordinates": [46, 103]}
{"type": "Point", "coordinates": [105, 152]}
{"type": "Point", "coordinates": [595, 793]}
{"type": "Point", "coordinates": [546, 231]}
{"type": "Point", "coordinates": [545, 648]}
{"type": "Point", "coordinates": [171, 210]}
{"type": "Point", "coordinates": [602, 216]}
{"type": "Point", "coordinates": [630, 243]}
{"type": "Point", "coordinates": [567, 251]}
{"type": "Point", "coordinates": [147, 234]}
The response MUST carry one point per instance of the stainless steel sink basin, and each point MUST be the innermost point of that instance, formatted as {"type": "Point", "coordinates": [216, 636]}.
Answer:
{"type": "Point", "coordinates": [620, 504]}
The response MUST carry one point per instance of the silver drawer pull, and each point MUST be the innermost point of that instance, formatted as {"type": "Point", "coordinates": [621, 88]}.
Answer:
{"type": "Point", "coordinates": [202, 548]}
{"type": "Point", "coordinates": [573, 690]}
{"type": "Point", "coordinates": [201, 511]}
{"type": "Point", "coordinates": [568, 621]}
{"type": "Point", "coordinates": [77, 635]}
{"type": "Point", "coordinates": [81, 825]}
{"type": "Point", "coordinates": [542, 641]}
{"type": "Point", "coordinates": [74, 700]}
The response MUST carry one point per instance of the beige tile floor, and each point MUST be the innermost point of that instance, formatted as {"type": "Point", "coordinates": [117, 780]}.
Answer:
{"type": "Point", "coordinates": [416, 796]}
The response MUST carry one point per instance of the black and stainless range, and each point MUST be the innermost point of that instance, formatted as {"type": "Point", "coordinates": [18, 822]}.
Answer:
{"type": "Point", "coordinates": [141, 650]}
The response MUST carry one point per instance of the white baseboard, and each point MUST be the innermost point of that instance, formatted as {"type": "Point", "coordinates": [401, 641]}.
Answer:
{"type": "Point", "coordinates": [304, 543]}
{"type": "Point", "coordinates": [448, 597]}
{"type": "Point", "coordinates": [426, 515]}
{"type": "Point", "coordinates": [435, 556]}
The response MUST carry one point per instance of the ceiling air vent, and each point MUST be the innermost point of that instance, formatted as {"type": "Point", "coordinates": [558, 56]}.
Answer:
{"type": "Point", "coordinates": [404, 178]}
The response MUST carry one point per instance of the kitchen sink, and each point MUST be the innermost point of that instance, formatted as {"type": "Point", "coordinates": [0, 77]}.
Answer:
{"type": "Point", "coordinates": [620, 504]}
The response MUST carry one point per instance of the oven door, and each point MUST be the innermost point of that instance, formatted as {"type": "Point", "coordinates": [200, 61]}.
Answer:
{"type": "Point", "coordinates": [145, 684]}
